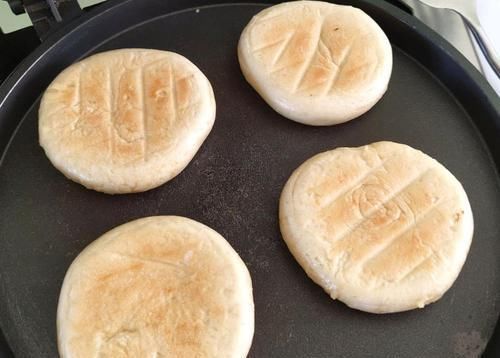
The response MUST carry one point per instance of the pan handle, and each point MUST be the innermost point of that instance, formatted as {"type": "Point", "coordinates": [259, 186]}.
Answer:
{"type": "Point", "coordinates": [483, 41]}
{"type": "Point", "coordinates": [46, 15]}
{"type": "Point", "coordinates": [467, 9]}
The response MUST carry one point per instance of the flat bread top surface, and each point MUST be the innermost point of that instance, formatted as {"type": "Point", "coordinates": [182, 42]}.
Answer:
{"type": "Point", "coordinates": [118, 114]}
{"type": "Point", "coordinates": [156, 287]}
{"type": "Point", "coordinates": [382, 227]}
{"type": "Point", "coordinates": [308, 52]}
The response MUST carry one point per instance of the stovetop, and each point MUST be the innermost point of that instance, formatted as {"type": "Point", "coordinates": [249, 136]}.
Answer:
{"type": "Point", "coordinates": [15, 46]}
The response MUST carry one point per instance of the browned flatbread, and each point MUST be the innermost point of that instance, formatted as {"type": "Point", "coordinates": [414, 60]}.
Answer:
{"type": "Point", "coordinates": [314, 62]}
{"type": "Point", "coordinates": [383, 227]}
{"type": "Point", "coordinates": [157, 287]}
{"type": "Point", "coordinates": [126, 120]}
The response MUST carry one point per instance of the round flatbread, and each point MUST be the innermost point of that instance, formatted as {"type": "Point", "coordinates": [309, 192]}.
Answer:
{"type": "Point", "coordinates": [383, 227]}
{"type": "Point", "coordinates": [163, 286]}
{"type": "Point", "coordinates": [314, 62]}
{"type": "Point", "coordinates": [126, 120]}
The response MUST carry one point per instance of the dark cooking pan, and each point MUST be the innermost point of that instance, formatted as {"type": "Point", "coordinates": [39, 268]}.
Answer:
{"type": "Point", "coordinates": [436, 102]}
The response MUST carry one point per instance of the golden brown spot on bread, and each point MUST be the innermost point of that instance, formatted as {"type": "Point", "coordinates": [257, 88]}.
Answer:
{"type": "Point", "coordinates": [90, 128]}
{"type": "Point", "coordinates": [160, 108]}
{"type": "Point", "coordinates": [185, 91]}
{"type": "Point", "coordinates": [408, 250]}
{"type": "Point", "coordinates": [69, 95]}
{"type": "Point", "coordinates": [267, 36]}
{"type": "Point", "coordinates": [318, 75]}
{"type": "Point", "coordinates": [105, 276]}
{"type": "Point", "coordinates": [127, 106]}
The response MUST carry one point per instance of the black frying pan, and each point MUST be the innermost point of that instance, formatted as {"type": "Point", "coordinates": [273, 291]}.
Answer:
{"type": "Point", "coordinates": [436, 102]}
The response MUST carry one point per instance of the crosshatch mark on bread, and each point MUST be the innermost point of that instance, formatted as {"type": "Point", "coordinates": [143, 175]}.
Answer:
{"type": "Point", "coordinates": [352, 227]}
{"type": "Point", "coordinates": [164, 263]}
{"type": "Point", "coordinates": [284, 45]}
{"type": "Point", "coordinates": [329, 199]}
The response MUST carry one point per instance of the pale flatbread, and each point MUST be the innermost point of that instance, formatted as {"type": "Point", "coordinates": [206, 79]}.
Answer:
{"type": "Point", "coordinates": [156, 287]}
{"type": "Point", "coordinates": [126, 120]}
{"type": "Point", "coordinates": [383, 227]}
{"type": "Point", "coordinates": [314, 62]}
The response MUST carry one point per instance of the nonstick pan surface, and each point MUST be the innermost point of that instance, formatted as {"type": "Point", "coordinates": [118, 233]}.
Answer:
{"type": "Point", "coordinates": [436, 102]}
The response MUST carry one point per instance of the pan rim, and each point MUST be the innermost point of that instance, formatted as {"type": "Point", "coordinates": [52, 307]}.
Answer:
{"type": "Point", "coordinates": [29, 65]}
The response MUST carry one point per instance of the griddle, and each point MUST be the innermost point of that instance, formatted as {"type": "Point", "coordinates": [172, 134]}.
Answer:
{"type": "Point", "coordinates": [436, 102]}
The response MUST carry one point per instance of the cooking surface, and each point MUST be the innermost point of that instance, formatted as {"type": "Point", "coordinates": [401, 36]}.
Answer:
{"type": "Point", "coordinates": [233, 185]}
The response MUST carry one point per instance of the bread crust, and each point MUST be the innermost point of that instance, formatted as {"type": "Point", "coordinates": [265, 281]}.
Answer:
{"type": "Point", "coordinates": [126, 120]}
{"type": "Point", "coordinates": [382, 227]}
{"type": "Point", "coordinates": [314, 62]}
{"type": "Point", "coordinates": [163, 286]}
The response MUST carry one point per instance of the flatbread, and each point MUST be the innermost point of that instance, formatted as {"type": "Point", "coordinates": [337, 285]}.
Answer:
{"type": "Point", "coordinates": [383, 227]}
{"type": "Point", "coordinates": [314, 62]}
{"type": "Point", "coordinates": [126, 120]}
{"type": "Point", "coordinates": [162, 286]}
